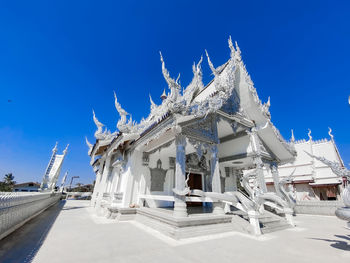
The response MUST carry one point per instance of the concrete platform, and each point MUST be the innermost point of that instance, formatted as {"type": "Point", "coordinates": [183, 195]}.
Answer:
{"type": "Point", "coordinates": [71, 233]}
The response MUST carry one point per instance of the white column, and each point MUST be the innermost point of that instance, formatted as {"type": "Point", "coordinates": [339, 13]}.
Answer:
{"type": "Point", "coordinates": [254, 139]}
{"type": "Point", "coordinates": [276, 178]}
{"type": "Point", "coordinates": [102, 184]}
{"type": "Point", "coordinates": [180, 208]}
{"type": "Point", "coordinates": [260, 173]}
{"type": "Point", "coordinates": [218, 207]}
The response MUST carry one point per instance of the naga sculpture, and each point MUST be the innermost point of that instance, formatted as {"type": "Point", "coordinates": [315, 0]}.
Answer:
{"type": "Point", "coordinates": [260, 198]}
{"type": "Point", "coordinates": [288, 196]}
{"type": "Point", "coordinates": [343, 212]}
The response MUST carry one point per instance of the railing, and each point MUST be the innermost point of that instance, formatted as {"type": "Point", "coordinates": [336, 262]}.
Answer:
{"type": "Point", "coordinates": [79, 195]}
{"type": "Point", "coordinates": [16, 208]}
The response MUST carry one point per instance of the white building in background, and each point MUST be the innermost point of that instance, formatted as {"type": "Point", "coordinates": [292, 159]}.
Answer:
{"type": "Point", "coordinates": [26, 187]}
{"type": "Point", "coordinates": [312, 179]}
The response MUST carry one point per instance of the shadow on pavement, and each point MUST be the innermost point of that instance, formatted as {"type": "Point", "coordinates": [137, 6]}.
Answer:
{"type": "Point", "coordinates": [22, 245]}
{"type": "Point", "coordinates": [339, 244]}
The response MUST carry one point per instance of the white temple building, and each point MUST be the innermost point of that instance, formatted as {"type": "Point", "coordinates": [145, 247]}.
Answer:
{"type": "Point", "coordinates": [53, 170]}
{"type": "Point", "coordinates": [311, 178]}
{"type": "Point", "coordinates": [205, 148]}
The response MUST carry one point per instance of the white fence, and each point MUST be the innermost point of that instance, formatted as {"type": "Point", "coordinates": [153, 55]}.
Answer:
{"type": "Point", "coordinates": [317, 207]}
{"type": "Point", "coordinates": [19, 207]}
{"type": "Point", "coordinates": [79, 195]}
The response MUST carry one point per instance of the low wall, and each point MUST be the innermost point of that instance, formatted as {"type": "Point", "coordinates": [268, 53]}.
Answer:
{"type": "Point", "coordinates": [318, 207]}
{"type": "Point", "coordinates": [17, 208]}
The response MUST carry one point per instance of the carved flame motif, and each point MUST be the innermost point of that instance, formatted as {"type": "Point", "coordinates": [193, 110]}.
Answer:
{"type": "Point", "coordinates": [182, 100]}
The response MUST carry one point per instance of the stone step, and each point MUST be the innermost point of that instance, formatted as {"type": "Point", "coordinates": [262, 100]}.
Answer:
{"type": "Point", "coordinates": [269, 229]}
{"type": "Point", "coordinates": [267, 220]}
{"type": "Point", "coordinates": [184, 232]}
{"type": "Point", "coordinates": [275, 224]}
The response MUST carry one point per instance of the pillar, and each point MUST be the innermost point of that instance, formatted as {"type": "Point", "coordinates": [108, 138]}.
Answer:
{"type": "Point", "coordinates": [276, 178]}
{"type": "Point", "coordinates": [180, 208]}
{"type": "Point", "coordinates": [218, 207]}
{"type": "Point", "coordinates": [255, 143]}
{"type": "Point", "coordinates": [260, 177]}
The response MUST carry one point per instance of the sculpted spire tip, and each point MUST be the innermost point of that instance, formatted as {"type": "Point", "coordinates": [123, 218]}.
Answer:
{"type": "Point", "coordinates": [309, 134]}
{"type": "Point", "coordinates": [212, 68]}
{"type": "Point", "coordinates": [292, 139]}
{"type": "Point", "coordinates": [330, 133]}
{"type": "Point", "coordinates": [66, 149]}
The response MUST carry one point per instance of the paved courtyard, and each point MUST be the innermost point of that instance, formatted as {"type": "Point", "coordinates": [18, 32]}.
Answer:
{"type": "Point", "coordinates": [69, 232]}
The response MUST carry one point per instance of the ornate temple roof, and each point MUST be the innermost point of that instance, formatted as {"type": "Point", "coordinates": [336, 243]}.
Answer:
{"type": "Point", "coordinates": [231, 90]}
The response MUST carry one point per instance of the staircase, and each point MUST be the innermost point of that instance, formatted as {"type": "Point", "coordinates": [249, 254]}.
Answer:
{"type": "Point", "coordinates": [272, 223]}
{"type": "Point", "coordinates": [269, 222]}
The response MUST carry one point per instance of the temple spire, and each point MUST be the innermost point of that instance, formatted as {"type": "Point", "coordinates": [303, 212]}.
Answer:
{"type": "Point", "coordinates": [54, 149]}
{"type": "Point", "coordinates": [122, 124]}
{"type": "Point", "coordinates": [153, 105]}
{"type": "Point", "coordinates": [232, 48]}
{"type": "Point", "coordinates": [238, 52]}
{"type": "Point", "coordinates": [173, 85]}
{"type": "Point", "coordinates": [212, 68]}
{"type": "Point", "coordinates": [88, 144]}
{"type": "Point", "coordinates": [330, 133]}
{"type": "Point", "coordinates": [309, 134]}
{"type": "Point", "coordinates": [292, 139]}
{"type": "Point", "coordinates": [163, 96]}
{"type": "Point", "coordinates": [66, 149]}
{"type": "Point", "coordinates": [98, 124]}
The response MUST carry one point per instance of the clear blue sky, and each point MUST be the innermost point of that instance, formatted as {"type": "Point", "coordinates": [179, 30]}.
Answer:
{"type": "Point", "coordinates": [60, 59]}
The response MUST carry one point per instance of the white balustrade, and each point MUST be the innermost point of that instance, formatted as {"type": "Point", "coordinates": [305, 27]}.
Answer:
{"type": "Point", "coordinates": [16, 208]}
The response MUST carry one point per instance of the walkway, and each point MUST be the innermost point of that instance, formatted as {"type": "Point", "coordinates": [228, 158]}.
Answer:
{"type": "Point", "coordinates": [76, 235]}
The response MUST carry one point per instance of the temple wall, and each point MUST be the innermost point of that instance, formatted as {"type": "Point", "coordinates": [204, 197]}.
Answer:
{"type": "Point", "coordinates": [168, 182]}
{"type": "Point", "coordinates": [315, 207]}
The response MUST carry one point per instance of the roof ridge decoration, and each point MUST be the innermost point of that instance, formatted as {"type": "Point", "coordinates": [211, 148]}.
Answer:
{"type": "Point", "coordinates": [182, 100]}
{"type": "Point", "coordinates": [123, 125]}
{"type": "Point", "coordinates": [99, 132]}
{"type": "Point", "coordinates": [330, 133]}
{"type": "Point", "coordinates": [337, 168]}
{"type": "Point", "coordinates": [90, 145]}
{"type": "Point", "coordinates": [292, 139]}
{"type": "Point", "coordinates": [309, 134]}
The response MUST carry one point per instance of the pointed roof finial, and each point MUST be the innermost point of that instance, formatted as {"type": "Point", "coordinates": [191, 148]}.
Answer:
{"type": "Point", "coordinates": [172, 84]}
{"type": "Point", "coordinates": [330, 133]}
{"type": "Point", "coordinates": [119, 108]}
{"type": "Point", "coordinates": [163, 96]}
{"type": "Point", "coordinates": [96, 121]}
{"type": "Point", "coordinates": [54, 150]}
{"type": "Point", "coordinates": [268, 103]}
{"type": "Point", "coordinates": [88, 143]}
{"type": "Point", "coordinates": [212, 68]}
{"type": "Point", "coordinates": [238, 51]}
{"type": "Point", "coordinates": [292, 139]}
{"type": "Point", "coordinates": [232, 48]}
{"type": "Point", "coordinates": [153, 105]}
{"type": "Point", "coordinates": [309, 134]}
{"type": "Point", "coordinates": [65, 150]}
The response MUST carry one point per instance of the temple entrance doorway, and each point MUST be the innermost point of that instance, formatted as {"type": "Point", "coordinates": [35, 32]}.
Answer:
{"type": "Point", "coordinates": [195, 181]}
